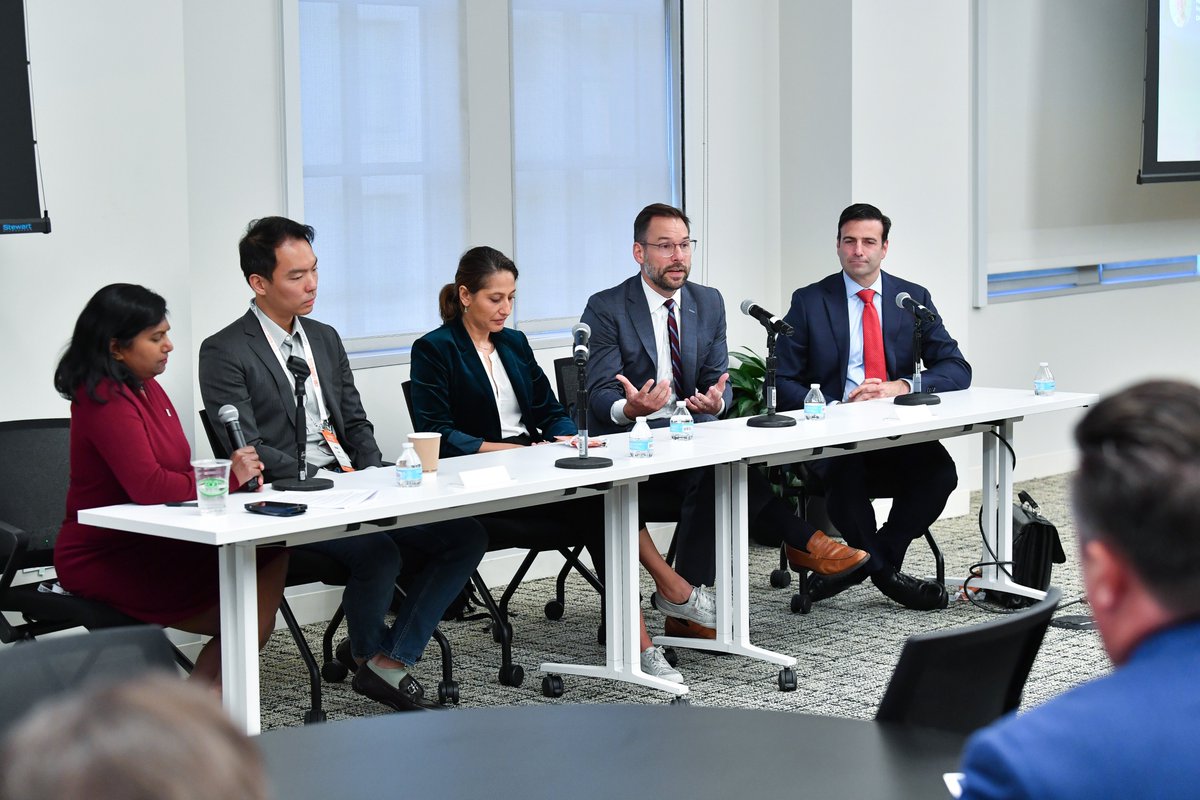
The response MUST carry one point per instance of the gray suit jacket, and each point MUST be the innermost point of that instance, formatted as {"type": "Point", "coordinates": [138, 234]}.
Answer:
{"type": "Point", "coordinates": [623, 342]}
{"type": "Point", "coordinates": [238, 366]}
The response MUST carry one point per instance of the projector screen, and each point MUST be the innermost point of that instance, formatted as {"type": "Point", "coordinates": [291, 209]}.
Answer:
{"type": "Point", "coordinates": [1171, 118]}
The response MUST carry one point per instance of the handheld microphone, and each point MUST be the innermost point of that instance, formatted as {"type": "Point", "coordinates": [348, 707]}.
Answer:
{"type": "Point", "coordinates": [581, 332]}
{"type": "Point", "coordinates": [905, 300]}
{"type": "Point", "coordinates": [768, 320]}
{"type": "Point", "coordinates": [228, 415]}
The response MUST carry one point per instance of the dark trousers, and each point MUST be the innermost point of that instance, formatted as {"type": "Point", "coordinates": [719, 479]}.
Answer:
{"type": "Point", "coordinates": [918, 477]}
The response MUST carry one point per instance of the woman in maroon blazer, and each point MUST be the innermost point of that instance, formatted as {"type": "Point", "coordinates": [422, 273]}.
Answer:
{"type": "Point", "coordinates": [127, 445]}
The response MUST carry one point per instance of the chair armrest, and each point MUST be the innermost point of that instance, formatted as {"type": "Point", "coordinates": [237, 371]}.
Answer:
{"type": "Point", "coordinates": [13, 544]}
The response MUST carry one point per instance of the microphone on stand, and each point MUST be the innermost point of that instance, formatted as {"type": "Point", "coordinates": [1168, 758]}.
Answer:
{"type": "Point", "coordinates": [769, 321]}
{"type": "Point", "coordinates": [301, 483]}
{"type": "Point", "coordinates": [920, 314]}
{"type": "Point", "coordinates": [228, 415]}
{"type": "Point", "coordinates": [581, 332]}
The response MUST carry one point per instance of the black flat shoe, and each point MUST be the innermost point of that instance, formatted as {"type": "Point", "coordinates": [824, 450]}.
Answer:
{"type": "Point", "coordinates": [342, 653]}
{"type": "Point", "coordinates": [409, 696]}
{"type": "Point", "coordinates": [910, 592]}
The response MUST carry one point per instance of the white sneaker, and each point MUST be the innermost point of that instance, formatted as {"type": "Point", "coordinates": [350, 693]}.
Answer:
{"type": "Point", "coordinates": [654, 662]}
{"type": "Point", "coordinates": [700, 607]}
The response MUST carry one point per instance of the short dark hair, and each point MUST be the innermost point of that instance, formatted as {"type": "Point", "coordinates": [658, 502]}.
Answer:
{"type": "Point", "coordinates": [257, 247]}
{"type": "Point", "coordinates": [642, 221]}
{"type": "Point", "coordinates": [864, 211]}
{"type": "Point", "coordinates": [118, 312]}
{"type": "Point", "coordinates": [1138, 485]}
{"type": "Point", "coordinates": [474, 268]}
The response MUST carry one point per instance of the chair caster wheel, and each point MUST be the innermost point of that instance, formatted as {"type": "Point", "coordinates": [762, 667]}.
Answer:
{"type": "Point", "coordinates": [944, 598]}
{"type": "Point", "coordinates": [787, 680]}
{"type": "Point", "coordinates": [680, 700]}
{"type": "Point", "coordinates": [801, 604]}
{"type": "Point", "coordinates": [312, 717]}
{"type": "Point", "coordinates": [554, 610]}
{"type": "Point", "coordinates": [671, 656]}
{"type": "Point", "coordinates": [514, 675]}
{"type": "Point", "coordinates": [781, 578]}
{"type": "Point", "coordinates": [334, 671]}
{"type": "Point", "coordinates": [552, 686]}
{"type": "Point", "coordinates": [448, 692]}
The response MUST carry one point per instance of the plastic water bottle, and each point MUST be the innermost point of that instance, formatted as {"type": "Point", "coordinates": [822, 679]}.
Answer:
{"type": "Point", "coordinates": [814, 403]}
{"type": "Point", "coordinates": [682, 424]}
{"type": "Point", "coordinates": [408, 467]}
{"type": "Point", "coordinates": [1043, 381]}
{"type": "Point", "coordinates": [641, 440]}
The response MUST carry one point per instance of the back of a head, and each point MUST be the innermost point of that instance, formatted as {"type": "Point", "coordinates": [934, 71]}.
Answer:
{"type": "Point", "coordinates": [155, 738]}
{"type": "Point", "coordinates": [1138, 486]}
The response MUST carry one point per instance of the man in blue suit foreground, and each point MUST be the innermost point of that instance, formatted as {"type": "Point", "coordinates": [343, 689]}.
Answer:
{"type": "Point", "coordinates": [633, 372]}
{"type": "Point", "coordinates": [1137, 509]}
{"type": "Point", "coordinates": [855, 342]}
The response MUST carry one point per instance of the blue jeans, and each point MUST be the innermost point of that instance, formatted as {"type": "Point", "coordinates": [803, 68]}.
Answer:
{"type": "Point", "coordinates": [448, 553]}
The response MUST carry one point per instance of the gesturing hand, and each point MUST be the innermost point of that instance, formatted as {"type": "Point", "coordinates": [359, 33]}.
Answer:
{"type": "Point", "coordinates": [709, 402]}
{"type": "Point", "coordinates": [645, 401]}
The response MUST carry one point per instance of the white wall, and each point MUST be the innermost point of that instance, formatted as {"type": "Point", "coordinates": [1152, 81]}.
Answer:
{"type": "Point", "coordinates": [161, 137]}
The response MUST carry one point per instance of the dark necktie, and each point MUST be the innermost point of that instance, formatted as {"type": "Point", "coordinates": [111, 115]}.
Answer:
{"type": "Point", "coordinates": [873, 364]}
{"type": "Point", "coordinates": [676, 358]}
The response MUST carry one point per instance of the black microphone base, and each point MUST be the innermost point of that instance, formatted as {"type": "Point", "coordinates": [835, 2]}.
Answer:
{"type": "Point", "coordinates": [771, 421]}
{"type": "Point", "coordinates": [586, 462]}
{"type": "Point", "coordinates": [297, 485]}
{"type": "Point", "coordinates": [916, 399]}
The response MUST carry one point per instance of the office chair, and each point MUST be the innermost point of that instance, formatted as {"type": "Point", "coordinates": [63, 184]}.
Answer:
{"type": "Point", "coordinates": [304, 567]}
{"type": "Point", "coordinates": [34, 671]}
{"type": "Point", "coordinates": [961, 679]}
{"type": "Point", "coordinates": [34, 473]}
{"type": "Point", "coordinates": [809, 494]}
{"type": "Point", "coordinates": [502, 535]}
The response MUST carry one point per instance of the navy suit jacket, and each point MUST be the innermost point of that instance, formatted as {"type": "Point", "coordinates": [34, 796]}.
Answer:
{"type": "Point", "coordinates": [238, 366]}
{"type": "Point", "coordinates": [622, 342]}
{"type": "Point", "coordinates": [1130, 734]}
{"type": "Point", "coordinates": [452, 393]}
{"type": "Point", "coordinates": [819, 349]}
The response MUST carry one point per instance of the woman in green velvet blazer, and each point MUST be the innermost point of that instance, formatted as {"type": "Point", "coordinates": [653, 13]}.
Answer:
{"type": "Point", "coordinates": [453, 393]}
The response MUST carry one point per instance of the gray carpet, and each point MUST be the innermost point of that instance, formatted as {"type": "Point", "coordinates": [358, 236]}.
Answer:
{"type": "Point", "coordinates": [846, 646]}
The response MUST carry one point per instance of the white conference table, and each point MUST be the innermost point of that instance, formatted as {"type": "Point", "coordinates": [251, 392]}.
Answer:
{"type": "Point", "coordinates": [728, 445]}
{"type": "Point", "coordinates": [858, 428]}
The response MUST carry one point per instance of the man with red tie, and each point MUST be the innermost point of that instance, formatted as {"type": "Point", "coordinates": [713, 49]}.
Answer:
{"type": "Point", "coordinates": [855, 342]}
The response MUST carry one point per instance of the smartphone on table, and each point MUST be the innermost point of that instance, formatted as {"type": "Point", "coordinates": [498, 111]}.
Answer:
{"type": "Point", "coordinates": [273, 508]}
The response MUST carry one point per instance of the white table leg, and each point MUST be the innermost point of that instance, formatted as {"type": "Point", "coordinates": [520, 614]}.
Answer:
{"type": "Point", "coordinates": [239, 634]}
{"type": "Point", "coordinates": [621, 592]}
{"type": "Point", "coordinates": [733, 583]}
{"type": "Point", "coordinates": [997, 495]}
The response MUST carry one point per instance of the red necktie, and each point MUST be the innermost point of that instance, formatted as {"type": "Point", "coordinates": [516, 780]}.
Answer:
{"type": "Point", "coordinates": [873, 364]}
{"type": "Point", "coordinates": [673, 339]}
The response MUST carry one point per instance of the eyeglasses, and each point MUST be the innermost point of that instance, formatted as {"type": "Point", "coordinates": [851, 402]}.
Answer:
{"type": "Point", "coordinates": [667, 249]}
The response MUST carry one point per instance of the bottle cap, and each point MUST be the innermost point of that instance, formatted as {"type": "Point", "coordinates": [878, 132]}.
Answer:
{"type": "Point", "coordinates": [814, 386]}
{"type": "Point", "coordinates": [639, 419]}
{"type": "Point", "coordinates": [1043, 363]}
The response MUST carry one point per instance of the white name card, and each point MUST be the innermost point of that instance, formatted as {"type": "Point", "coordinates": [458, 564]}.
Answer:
{"type": "Point", "coordinates": [483, 478]}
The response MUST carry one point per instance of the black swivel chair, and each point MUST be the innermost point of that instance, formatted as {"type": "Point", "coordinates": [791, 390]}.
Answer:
{"type": "Point", "coordinates": [502, 536]}
{"type": "Point", "coordinates": [305, 567]}
{"type": "Point", "coordinates": [39, 670]}
{"type": "Point", "coordinates": [961, 679]}
{"type": "Point", "coordinates": [34, 475]}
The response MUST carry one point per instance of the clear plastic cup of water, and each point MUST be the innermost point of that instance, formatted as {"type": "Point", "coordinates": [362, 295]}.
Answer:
{"type": "Point", "coordinates": [212, 484]}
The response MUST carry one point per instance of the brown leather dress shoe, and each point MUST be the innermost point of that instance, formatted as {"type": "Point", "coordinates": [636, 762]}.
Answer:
{"type": "Point", "coordinates": [826, 557]}
{"type": "Point", "coordinates": [687, 629]}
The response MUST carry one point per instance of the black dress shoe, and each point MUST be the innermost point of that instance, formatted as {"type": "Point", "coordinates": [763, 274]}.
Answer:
{"type": "Point", "coordinates": [410, 696]}
{"type": "Point", "coordinates": [821, 587]}
{"type": "Point", "coordinates": [910, 592]}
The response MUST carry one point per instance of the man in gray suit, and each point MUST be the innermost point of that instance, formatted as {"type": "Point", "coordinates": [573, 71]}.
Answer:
{"type": "Point", "coordinates": [658, 339]}
{"type": "Point", "coordinates": [245, 365]}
